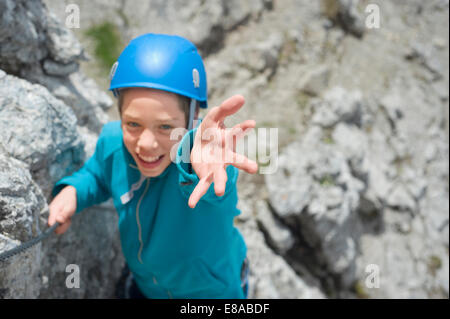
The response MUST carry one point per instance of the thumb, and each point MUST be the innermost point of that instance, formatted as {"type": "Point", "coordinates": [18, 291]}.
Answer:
{"type": "Point", "coordinates": [51, 219]}
{"type": "Point", "coordinates": [54, 213]}
{"type": "Point", "coordinates": [62, 217]}
{"type": "Point", "coordinates": [63, 228]}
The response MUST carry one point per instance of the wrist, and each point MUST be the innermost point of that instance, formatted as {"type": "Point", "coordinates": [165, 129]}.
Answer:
{"type": "Point", "coordinates": [71, 189]}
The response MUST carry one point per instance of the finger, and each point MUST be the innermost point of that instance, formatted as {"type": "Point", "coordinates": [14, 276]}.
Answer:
{"type": "Point", "coordinates": [200, 190]}
{"type": "Point", "coordinates": [208, 120]}
{"type": "Point", "coordinates": [227, 108]}
{"type": "Point", "coordinates": [239, 131]}
{"type": "Point", "coordinates": [51, 218]}
{"type": "Point", "coordinates": [54, 212]}
{"type": "Point", "coordinates": [61, 220]}
{"type": "Point", "coordinates": [246, 125]}
{"type": "Point", "coordinates": [61, 217]}
{"type": "Point", "coordinates": [63, 228]}
{"type": "Point", "coordinates": [220, 180]}
{"type": "Point", "coordinates": [243, 163]}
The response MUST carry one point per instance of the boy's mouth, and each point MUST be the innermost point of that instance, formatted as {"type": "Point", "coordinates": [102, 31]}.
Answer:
{"type": "Point", "coordinates": [149, 162]}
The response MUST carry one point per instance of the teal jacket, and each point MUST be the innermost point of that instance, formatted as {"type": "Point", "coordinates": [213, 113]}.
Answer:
{"type": "Point", "coordinates": [172, 250]}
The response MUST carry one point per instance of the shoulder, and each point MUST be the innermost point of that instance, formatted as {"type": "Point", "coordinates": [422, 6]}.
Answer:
{"type": "Point", "coordinates": [111, 138]}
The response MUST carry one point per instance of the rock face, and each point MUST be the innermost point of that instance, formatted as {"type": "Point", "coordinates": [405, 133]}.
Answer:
{"type": "Point", "coordinates": [205, 23]}
{"type": "Point", "coordinates": [49, 119]}
{"type": "Point", "coordinates": [358, 204]}
{"type": "Point", "coordinates": [349, 205]}
{"type": "Point", "coordinates": [38, 48]}
{"type": "Point", "coordinates": [363, 172]}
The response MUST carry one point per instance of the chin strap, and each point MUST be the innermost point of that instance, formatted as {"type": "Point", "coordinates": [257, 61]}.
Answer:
{"type": "Point", "coordinates": [191, 113]}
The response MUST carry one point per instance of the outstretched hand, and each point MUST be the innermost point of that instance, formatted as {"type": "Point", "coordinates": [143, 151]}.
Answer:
{"type": "Point", "coordinates": [214, 149]}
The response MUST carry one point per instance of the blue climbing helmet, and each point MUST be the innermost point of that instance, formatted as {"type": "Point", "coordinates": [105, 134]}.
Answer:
{"type": "Point", "coordinates": [165, 62]}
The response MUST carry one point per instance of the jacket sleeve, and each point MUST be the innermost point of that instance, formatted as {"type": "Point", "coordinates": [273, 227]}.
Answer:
{"type": "Point", "coordinates": [188, 179]}
{"type": "Point", "coordinates": [89, 181]}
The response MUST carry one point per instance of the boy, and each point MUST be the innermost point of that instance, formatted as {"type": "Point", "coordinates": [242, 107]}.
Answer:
{"type": "Point", "coordinates": [176, 231]}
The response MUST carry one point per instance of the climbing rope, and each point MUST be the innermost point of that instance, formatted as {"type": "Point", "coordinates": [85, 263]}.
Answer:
{"type": "Point", "coordinates": [16, 250]}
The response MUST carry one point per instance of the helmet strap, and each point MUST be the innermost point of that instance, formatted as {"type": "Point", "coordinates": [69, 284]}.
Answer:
{"type": "Point", "coordinates": [191, 113]}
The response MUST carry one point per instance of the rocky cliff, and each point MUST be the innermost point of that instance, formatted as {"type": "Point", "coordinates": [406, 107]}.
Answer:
{"type": "Point", "coordinates": [50, 116]}
{"type": "Point", "coordinates": [358, 204]}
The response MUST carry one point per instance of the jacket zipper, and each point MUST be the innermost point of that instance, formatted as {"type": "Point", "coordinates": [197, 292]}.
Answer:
{"type": "Point", "coordinates": [139, 223]}
{"type": "Point", "coordinates": [140, 231]}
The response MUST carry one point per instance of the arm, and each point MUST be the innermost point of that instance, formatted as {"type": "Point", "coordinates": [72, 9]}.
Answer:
{"type": "Point", "coordinates": [89, 181]}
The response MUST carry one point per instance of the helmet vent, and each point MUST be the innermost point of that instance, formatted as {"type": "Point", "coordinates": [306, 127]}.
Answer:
{"type": "Point", "coordinates": [195, 78]}
{"type": "Point", "coordinates": [113, 70]}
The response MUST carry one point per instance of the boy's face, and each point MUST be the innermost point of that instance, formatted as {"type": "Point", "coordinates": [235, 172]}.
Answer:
{"type": "Point", "coordinates": [148, 117]}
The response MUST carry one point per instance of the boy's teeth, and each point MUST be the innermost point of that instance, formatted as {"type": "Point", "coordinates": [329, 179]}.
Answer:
{"type": "Point", "coordinates": [149, 159]}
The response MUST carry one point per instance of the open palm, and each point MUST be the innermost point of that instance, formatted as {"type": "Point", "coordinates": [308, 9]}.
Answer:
{"type": "Point", "coordinates": [214, 149]}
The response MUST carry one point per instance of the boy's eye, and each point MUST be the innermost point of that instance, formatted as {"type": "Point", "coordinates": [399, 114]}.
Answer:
{"type": "Point", "coordinates": [133, 124]}
{"type": "Point", "coordinates": [166, 126]}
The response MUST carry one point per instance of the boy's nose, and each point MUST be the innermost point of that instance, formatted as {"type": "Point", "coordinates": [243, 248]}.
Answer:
{"type": "Point", "coordinates": [147, 140]}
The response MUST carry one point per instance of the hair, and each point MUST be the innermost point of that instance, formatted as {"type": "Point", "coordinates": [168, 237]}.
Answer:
{"type": "Point", "coordinates": [184, 104]}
